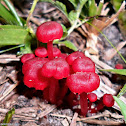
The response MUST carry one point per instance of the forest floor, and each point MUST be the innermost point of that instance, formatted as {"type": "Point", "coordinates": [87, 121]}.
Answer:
{"type": "Point", "coordinates": [30, 108]}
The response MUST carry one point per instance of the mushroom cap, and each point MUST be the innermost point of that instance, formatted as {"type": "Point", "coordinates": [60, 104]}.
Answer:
{"type": "Point", "coordinates": [49, 31]}
{"type": "Point", "coordinates": [32, 76]}
{"type": "Point", "coordinates": [108, 100]}
{"type": "Point", "coordinates": [119, 66]}
{"type": "Point", "coordinates": [63, 56]}
{"type": "Point", "coordinates": [32, 63]}
{"type": "Point", "coordinates": [41, 52]}
{"type": "Point", "coordinates": [74, 56]}
{"type": "Point", "coordinates": [26, 57]}
{"type": "Point", "coordinates": [57, 68]}
{"type": "Point", "coordinates": [83, 82]}
{"type": "Point", "coordinates": [92, 97]}
{"type": "Point", "coordinates": [56, 52]}
{"type": "Point", "coordinates": [33, 79]}
{"type": "Point", "coordinates": [84, 64]}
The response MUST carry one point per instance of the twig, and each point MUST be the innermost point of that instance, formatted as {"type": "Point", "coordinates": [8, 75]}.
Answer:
{"type": "Point", "coordinates": [47, 111]}
{"type": "Point", "coordinates": [11, 88]}
{"type": "Point", "coordinates": [73, 123]}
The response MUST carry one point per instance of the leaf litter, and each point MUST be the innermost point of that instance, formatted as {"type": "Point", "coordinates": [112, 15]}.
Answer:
{"type": "Point", "coordinates": [30, 109]}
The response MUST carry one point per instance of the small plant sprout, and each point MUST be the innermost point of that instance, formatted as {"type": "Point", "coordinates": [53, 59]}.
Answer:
{"type": "Point", "coordinates": [47, 32]}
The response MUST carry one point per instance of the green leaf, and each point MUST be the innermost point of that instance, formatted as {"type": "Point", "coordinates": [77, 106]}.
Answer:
{"type": "Point", "coordinates": [5, 14]}
{"type": "Point", "coordinates": [12, 35]}
{"type": "Point", "coordinates": [74, 2]}
{"type": "Point", "coordinates": [117, 71]}
{"type": "Point", "coordinates": [72, 16]}
{"type": "Point", "coordinates": [92, 8]}
{"type": "Point", "coordinates": [8, 116]}
{"type": "Point", "coordinates": [122, 92]}
{"type": "Point", "coordinates": [100, 6]}
{"type": "Point", "coordinates": [122, 106]}
{"type": "Point", "coordinates": [62, 7]}
{"type": "Point", "coordinates": [65, 33]}
{"type": "Point", "coordinates": [13, 11]}
{"type": "Point", "coordinates": [82, 2]}
{"type": "Point", "coordinates": [59, 5]}
{"type": "Point", "coordinates": [67, 44]}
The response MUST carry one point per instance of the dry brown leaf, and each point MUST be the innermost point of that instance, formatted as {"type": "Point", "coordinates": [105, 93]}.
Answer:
{"type": "Point", "coordinates": [109, 54]}
{"type": "Point", "coordinates": [91, 32]}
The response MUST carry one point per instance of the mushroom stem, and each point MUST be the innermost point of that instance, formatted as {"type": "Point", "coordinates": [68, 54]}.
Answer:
{"type": "Point", "coordinates": [98, 107]}
{"type": "Point", "coordinates": [50, 50]}
{"type": "Point", "coordinates": [53, 90]}
{"type": "Point", "coordinates": [84, 103]}
{"type": "Point", "coordinates": [63, 91]}
{"type": "Point", "coordinates": [46, 94]}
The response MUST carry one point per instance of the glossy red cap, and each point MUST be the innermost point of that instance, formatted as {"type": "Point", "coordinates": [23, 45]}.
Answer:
{"type": "Point", "coordinates": [49, 31]}
{"type": "Point", "coordinates": [83, 82]}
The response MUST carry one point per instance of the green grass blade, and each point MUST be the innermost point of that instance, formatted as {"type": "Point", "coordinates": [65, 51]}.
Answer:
{"type": "Point", "coordinates": [15, 47]}
{"type": "Point", "coordinates": [13, 11]}
{"type": "Point", "coordinates": [122, 92]}
{"type": "Point", "coordinates": [122, 106]}
{"type": "Point", "coordinates": [8, 117]}
{"type": "Point", "coordinates": [100, 6]}
{"type": "Point", "coordinates": [5, 14]}
{"type": "Point", "coordinates": [116, 71]}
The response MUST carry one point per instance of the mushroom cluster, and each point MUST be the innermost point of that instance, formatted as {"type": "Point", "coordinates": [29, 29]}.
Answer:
{"type": "Point", "coordinates": [61, 77]}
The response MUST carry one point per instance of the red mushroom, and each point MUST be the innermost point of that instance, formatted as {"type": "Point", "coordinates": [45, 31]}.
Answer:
{"type": "Point", "coordinates": [57, 68]}
{"type": "Point", "coordinates": [26, 57]}
{"type": "Point", "coordinates": [41, 52]}
{"type": "Point", "coordinates": [33, 62]}
{"type": "Point", "coordinates": [82, 83]}
{"type": "Point", "coordinates": [108, 100]}
{"type": "Point", "coordinates": [63, 56]}
{"type": "Point", "coordinates": [56, 52]}
{"type": "Point", "coordinates": [84, 64]}
{"type": "Point", "coordinates": [32, 76]}
{"type": "Point", "coordinates": [74, 56]}
{"type": "Point", "coordinates": [92, 97]}
{"type": "Point", "coordinates": [119, 66]}
{"type": "Point", "coordinates": [47, 32]}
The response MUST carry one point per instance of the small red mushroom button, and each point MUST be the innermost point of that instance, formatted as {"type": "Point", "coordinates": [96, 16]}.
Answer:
{"type": "Point", "coordinates": [92, 97]}
{"type": "Point", "coordinates": [108, 100]}
{"type": "Point", "coordinates": [41, 52]}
